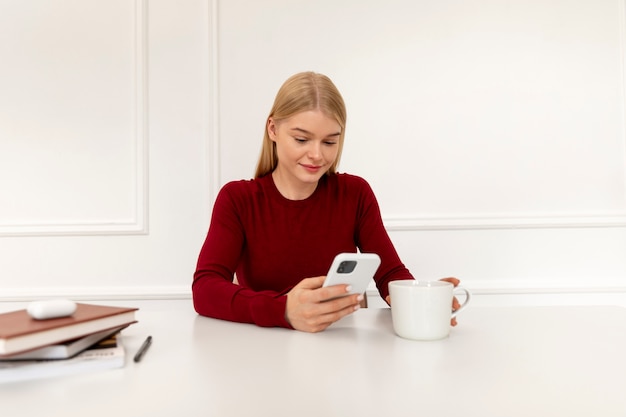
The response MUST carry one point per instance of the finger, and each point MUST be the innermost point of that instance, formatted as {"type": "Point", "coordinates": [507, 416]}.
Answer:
{"type": "Point", "coordinates": [331, 311]}
{"type": "Point", "coordinates": [324, 293]}
{"type": "Point", "coordinates": [388, 299]}
{"type": "Point", "coordinates": [332, 292]}
{"type": "Point", "coordinates": [343, 302]}
{"type": "Point", "coordinates": [452, 280]}
{"type": "Point", "coordinates": [311, 283]}
{"type": "Point", "coordinates": [455, 304]}
{"type": "Point", "coordinates": [335, 315]}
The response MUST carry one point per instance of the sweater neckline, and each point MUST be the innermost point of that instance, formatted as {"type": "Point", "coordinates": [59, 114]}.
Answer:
{"type": "Point", "coordinates": [284, 200]}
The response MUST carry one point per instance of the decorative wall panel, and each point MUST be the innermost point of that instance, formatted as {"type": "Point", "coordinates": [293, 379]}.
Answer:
{"type": "Point", "coordinates": [73, 137]}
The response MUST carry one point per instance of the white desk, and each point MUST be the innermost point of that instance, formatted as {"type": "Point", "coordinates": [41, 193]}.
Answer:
{"type": "Point", "coordinates": [524, 361]}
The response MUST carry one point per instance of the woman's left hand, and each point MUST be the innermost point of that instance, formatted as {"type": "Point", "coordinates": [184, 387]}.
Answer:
{"type": "Point", "coordinates": [455, 303]}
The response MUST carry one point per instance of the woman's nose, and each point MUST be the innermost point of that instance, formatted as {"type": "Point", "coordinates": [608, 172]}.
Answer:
{"type": "Point", "coordinates": [315, 150]}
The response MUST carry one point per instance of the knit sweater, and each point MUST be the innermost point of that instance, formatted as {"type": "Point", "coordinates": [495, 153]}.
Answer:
{"type": "Point", "coordinates": [271, 243]}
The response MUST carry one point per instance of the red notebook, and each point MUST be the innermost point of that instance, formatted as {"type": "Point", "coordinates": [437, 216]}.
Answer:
{"type": "Point", "coordinates": [19, 332]}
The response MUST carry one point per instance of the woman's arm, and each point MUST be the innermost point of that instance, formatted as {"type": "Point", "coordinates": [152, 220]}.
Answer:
{"type": "Point", "coordinates": [372, 237]}
{"type": "Point", "coordinates": [214, 293]}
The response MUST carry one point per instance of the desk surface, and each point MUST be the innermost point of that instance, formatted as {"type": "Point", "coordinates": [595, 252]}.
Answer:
{"type": "Point", "coordinates": [517, 361]}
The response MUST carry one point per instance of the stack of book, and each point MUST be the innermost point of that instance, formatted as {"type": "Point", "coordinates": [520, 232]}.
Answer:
{"type": "Point", "coordinates": [87, 340]}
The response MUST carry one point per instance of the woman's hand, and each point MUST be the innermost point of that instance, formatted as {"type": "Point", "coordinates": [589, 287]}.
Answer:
{"type": "Point", "coordinates": [455, 303]}
{"type": "Point", "coordinates": [312, 308]}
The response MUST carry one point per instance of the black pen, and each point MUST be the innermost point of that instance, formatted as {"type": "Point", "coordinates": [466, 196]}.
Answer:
{"type": "Point", "coordinates": [143, 349]}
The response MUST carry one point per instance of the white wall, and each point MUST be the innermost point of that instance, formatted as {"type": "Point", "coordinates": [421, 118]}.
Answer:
{"type": "Point", "coordinates": [103, 146]}
{"type": "Point", "coordinates": [492, 132]}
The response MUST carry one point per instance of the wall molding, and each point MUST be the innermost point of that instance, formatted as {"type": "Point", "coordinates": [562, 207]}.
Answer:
{"type": "Point", "coordinates": [504, 221]}
{"type": "Point", "coordinates": [213, 133]}
{"type": "Point", "coordinates": [507, 294]}
{"type": "Point", "coordinates": [523, 287]}
{"type": "Point", "coordinates": [496, 292]}
{"type": "Point", "coordinates": [530, 220]}
{"type": "Point", "coordinates": [138, 223]}
{"type": "Point", "coordinates": [435, 221]}
{"type": "Point", "coordinates": [172, 292]}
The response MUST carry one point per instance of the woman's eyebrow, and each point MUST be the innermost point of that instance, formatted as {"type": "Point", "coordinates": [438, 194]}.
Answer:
{"type": "Point", "coordinates": [306, 132]}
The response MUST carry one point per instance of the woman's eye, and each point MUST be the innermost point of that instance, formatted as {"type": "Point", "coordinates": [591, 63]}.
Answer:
{"type": "Point", "coordinates": [330, 143]}
{"type": "Point", "coordinates": [300, 140]}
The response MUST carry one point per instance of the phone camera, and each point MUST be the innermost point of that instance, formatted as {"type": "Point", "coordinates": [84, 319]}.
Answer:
{"type": "Point", "coordinates": [346, 267]}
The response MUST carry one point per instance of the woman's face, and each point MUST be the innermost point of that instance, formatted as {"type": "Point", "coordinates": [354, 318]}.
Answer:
{"type": "Point", "coordinates": [307, 144]}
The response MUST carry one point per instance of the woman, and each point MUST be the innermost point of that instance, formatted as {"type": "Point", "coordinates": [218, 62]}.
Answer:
{"type": "Point", "coordinates": [279, 232]}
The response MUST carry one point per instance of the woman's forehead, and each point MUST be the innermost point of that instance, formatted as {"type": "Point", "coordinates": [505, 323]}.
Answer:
{"type": "Point", "coordinates": [313, 121]}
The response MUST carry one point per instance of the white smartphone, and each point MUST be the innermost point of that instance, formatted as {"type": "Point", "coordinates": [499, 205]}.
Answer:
{"type": "Point", "coordinates": [355, 269]}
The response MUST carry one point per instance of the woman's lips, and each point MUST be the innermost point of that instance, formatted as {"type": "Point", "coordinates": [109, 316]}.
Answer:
{"type": "Point", "coordinates": [311, 168]}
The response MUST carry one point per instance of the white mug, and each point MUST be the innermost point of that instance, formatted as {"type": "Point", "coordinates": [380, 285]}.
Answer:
{"type": "Point", "coordinates": [421, 310]}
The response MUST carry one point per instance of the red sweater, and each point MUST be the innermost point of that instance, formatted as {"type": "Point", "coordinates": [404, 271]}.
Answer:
{"type": "Point", "coordinates": [272, 243]}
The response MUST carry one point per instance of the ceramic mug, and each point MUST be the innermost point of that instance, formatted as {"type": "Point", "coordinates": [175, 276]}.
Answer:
{"type": "Point", "coordinates": [421, 310]}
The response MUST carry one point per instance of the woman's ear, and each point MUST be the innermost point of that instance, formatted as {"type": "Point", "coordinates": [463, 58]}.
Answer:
{"type": "Point", "coordinates": [271, 129]}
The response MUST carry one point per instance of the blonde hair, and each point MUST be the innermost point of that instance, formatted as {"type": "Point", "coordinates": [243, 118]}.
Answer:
{"type": "Point", "coordinates": [302, 92]}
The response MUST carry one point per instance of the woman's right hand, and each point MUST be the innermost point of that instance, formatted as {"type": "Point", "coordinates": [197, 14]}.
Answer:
{"type": "Point", "coordinates": [312, 308]}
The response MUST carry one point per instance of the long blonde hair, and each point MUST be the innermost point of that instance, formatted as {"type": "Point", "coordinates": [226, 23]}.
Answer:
{"type": "Point", "coordinates": [302, 92]}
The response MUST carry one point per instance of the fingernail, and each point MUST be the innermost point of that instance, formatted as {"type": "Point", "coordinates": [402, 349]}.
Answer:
{"type": "Point", "coordinates": [356, 307]}
{"type": "Point", "coordinates": [360, 297]}
{"type": "Point", "coordinates": [349, 288]}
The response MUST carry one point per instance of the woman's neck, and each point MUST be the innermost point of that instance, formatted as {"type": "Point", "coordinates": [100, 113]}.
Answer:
{"type": "Point", "coordinates": [292, 190]}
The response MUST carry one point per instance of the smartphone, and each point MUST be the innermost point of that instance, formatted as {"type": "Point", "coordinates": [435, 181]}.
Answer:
{"type": "Point", "coordinates": [355, 269]}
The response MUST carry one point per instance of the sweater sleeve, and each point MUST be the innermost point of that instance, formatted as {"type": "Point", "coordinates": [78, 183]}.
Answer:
{"type": "Point", "coordinates": [214, 292]}
{"type": "Point", "coordinates": [371, 236]}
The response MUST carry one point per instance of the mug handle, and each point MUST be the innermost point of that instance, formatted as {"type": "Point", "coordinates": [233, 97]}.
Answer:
{"type": "Point", "coordinates": [468, 296]}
